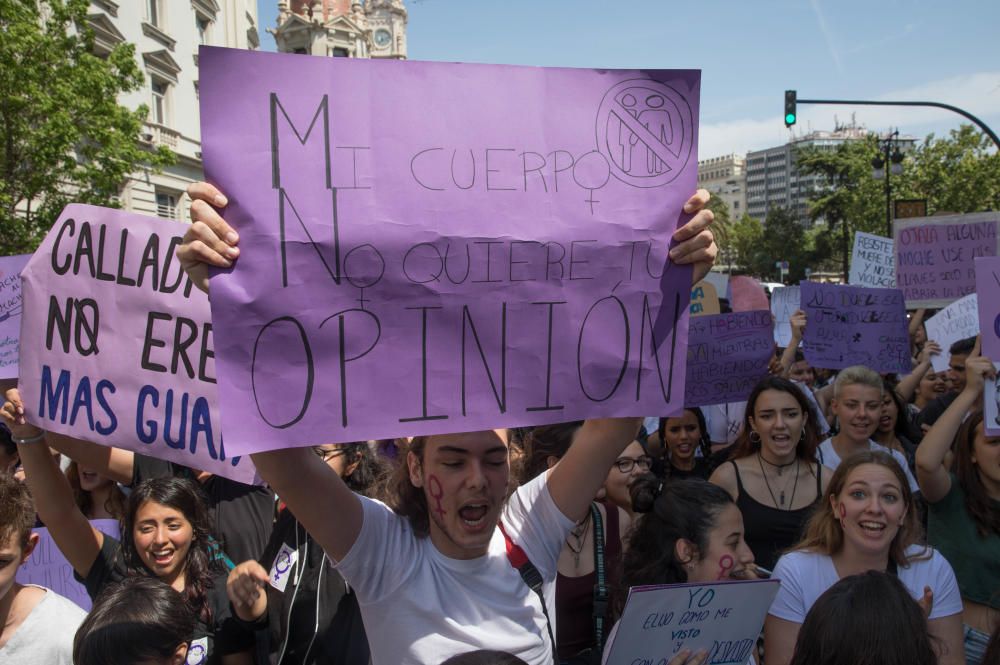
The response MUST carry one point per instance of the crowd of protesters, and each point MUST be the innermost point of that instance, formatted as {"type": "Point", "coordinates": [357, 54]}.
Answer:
{"type": "Point", "coordinates": [873, 500]}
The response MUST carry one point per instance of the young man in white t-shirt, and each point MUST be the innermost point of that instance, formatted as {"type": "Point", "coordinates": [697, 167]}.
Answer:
{"type": "Point", "coordinates": [857, 403]}
{"type": "Point", "coordinates": [37, 625]}
{"type": "Point", "coordinates": [431, 571]}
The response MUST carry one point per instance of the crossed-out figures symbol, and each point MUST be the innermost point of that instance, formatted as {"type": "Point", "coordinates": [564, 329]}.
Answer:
{"type": "Point", "coordinates": [653, 117]}
{"type": "Point", "coordinates": [645, 129]}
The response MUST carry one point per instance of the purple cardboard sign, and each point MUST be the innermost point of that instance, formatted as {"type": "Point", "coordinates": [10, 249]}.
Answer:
{"type": "Point", "coordinates": [747, 294]}
{"type": "Point", "coordinates": [438, 247]}
{"type": "Point", "coordinates": [10, 312]}
{"type": "Point", "coordinates": [934, 255]}
{"type": "Point", "coordinates": [727, 355]}
{"type": "Point", "coordinates": [988, 288]}
{"type": "Point", "coordinates": [48, 567]}
{"type": "Point", "coordinates": [120, 348]}
{"type": "Point", "coordinates": [855, 325]}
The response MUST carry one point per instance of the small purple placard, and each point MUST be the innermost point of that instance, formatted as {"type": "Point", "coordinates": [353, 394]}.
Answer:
{"type": "Point", "coordinates": [727, 355]}
{"type": "Point", "coordinates": [10, 312]}
{"type": "Point", "coordinates": [855, 325]}
{"type": "Point", "coordinates": [48, 567]}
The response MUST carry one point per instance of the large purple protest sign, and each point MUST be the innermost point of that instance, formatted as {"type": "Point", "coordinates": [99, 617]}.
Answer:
{"type": "Point", "coordinates": [10, 312]}
{"type": "Point", "coordinates": [934, 255]}
{"type": "Point", "coordinates": [727, 355]}
{"type": "Point", "coordinates": [855, 325]}
{"type": "Point", "coordinates": [48, 567]}
{"type": "Point", "coordinates": [116, 343]}
{"type": "Point", "coordinates": [438, 247]}
{"type": "Point", "coordinates": [988, 288]}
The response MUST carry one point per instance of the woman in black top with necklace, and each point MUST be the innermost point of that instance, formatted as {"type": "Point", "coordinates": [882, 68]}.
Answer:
{"type": "Point", "coordinates": [774, 476]}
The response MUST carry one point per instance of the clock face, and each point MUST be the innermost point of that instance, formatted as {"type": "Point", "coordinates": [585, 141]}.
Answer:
{"type": "Point", "coordinates": [382, 38]}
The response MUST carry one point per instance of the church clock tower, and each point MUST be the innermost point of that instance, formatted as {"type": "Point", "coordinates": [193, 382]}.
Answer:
{"type": "Point", "coordinates": [342, 28]}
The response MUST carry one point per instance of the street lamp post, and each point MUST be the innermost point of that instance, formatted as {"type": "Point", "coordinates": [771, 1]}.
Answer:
{"type": "Point", "coordinates": [888, 162]}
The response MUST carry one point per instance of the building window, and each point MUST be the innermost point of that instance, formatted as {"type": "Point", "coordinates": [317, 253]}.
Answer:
{"type": "Point", "coordinates": [159, 110]}
{"type": "Point", "coordinates": [340, 52]}
{"type": "Point", "coordinates": [154, 12]}
{"type": "Point", "coordinates": [166, 204]}
{"type": "Point", "coordinates": [204, 26]}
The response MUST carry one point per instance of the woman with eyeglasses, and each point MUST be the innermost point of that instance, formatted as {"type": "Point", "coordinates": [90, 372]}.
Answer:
{"type": "Point", "coordinates": [632, 463]}
{"type": "Point", "coordinates": [683, 437]}
{"type": "Point", "coordinates": [300, 606]}
{"type": "Point", "coordinates": [581, 624]}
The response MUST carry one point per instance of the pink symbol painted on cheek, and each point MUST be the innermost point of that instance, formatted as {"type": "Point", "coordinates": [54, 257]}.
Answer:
{"type": "Point", "coordinates": [726, 564]}
{"type": "Point", "coordinates": [436, 492]}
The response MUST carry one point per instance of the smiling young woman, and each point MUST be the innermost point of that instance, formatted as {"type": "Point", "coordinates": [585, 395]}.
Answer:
{"type": "Point", "coordinates": [868, 521]}
{"type": "Point", "coordinates": [165, 533]}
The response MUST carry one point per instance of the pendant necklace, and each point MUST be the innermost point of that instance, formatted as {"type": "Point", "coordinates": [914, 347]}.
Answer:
{"type": "Point", "coordinates": [779, 501]}
{"type": "Point", "coordinates": [580, 537]}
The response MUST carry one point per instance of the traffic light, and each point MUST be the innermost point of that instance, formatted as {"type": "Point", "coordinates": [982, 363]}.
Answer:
{"type": "Point", "coordinates": [790, 115]}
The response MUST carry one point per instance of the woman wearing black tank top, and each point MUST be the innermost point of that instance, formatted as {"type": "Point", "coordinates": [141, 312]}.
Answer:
{"type": "Point", "coordinates": [773, 475]}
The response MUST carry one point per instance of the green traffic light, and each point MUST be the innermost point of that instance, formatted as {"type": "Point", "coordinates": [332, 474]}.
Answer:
{"type": "Point", "coordinates": [790, 119]}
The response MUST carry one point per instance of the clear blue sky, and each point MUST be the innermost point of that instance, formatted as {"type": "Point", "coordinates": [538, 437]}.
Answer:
{"type": "Point", "coordinates": [749, 53]}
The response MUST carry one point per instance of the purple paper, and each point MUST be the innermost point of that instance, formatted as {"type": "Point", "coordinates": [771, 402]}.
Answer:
{"type": "Point", "coordinates": [10, 312]}
{"type": "Point", "coordinates": [48, 567]}
{"type": "Point", "coordinates": [727, 355]}
{"type": "Point", "coordinates": [747, 294]}
{"type": "Point", "coordinates": [435, 247]}
{"type": "Point", "coordinates": [855, 325]}
{"type": "Point", "coordinates": [121, 342]}
{"type": "Point", "coordinates": [988, 288]}
{"type": "Point", "coordinates": [934, 256]}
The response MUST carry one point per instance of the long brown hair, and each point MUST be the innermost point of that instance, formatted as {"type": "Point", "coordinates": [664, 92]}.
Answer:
{"type": "Point", "coordinates": [824, 533]}
{"type": "Point", "coordinates": [979, 505]}
{"type": "Point", "coordinates": [807, 445]}
{"type": "Point", "coordinates": [114, 504]}
{"type": "Point", "coordinates": [401, 495]}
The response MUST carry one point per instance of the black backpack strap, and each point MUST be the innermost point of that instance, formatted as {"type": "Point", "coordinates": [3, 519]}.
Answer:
{"type": "Point", "coordinates": [529, 573]}
{"type": "Point", "coordinates": [601, 588]}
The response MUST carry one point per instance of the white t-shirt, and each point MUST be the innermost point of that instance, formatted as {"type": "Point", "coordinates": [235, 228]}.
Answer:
{"type": "Point", "coordinates": [46, 636]}
{"type": "Point", "coordinates": [806, 575]}
{"type": "Point", "coordinates": [420, 606]}
{"type": "Point", "coordinates": [830, 459]}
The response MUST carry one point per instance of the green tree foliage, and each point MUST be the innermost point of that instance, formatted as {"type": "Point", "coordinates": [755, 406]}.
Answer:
{"type": "Point", "coordinates": [960, 173]}
{"type": "Point", "coordinates": [723, 222]}
{"type": "Point", "coordinates": [759, 246]}
{"type": "Point", "coordinates": [63, 136]}
{"type": "Point", "coordinates": [744, 239]}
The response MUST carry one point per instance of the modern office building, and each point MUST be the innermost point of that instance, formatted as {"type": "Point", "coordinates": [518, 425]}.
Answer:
{"type": "Point", "coordinates": [725, 177]}
{"type": "Point", "coordinates": [774, 181]}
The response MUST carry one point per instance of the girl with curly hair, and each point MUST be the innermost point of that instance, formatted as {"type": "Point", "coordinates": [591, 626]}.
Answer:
{"type": "Point", "coordinates": [165, 534]}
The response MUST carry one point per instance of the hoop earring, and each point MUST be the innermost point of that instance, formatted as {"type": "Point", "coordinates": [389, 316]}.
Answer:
{"type": "Point", "coordinates": [753, 434]}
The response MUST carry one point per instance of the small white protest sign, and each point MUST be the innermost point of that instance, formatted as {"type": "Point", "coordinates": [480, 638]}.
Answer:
{"type": "Point", "coordinates": [784, 302]}
{"type": "Point", "coordinates": [873, 262]}
{"type": "Point", "coordinates": [723, 618]}
{"type": "Point", "coordinates": [958, 320]}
